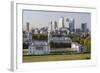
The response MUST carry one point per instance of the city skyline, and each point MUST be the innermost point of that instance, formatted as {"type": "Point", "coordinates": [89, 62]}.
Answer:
{"type": "Point", "coordinates": [38, 19]}
{"type": "Point", "coordinates": [53, 36]}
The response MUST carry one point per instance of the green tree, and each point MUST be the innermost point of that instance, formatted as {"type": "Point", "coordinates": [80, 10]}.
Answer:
{"type": "Point", "coordinates": [87, 43]}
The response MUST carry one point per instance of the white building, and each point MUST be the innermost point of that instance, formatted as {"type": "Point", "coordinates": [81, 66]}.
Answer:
{"type": "Point", "coordinates": [75, 46]}
{"type": "Point", "coordinates": [39, 48]}
{"type": "Point", "coordinates": [61, 22]}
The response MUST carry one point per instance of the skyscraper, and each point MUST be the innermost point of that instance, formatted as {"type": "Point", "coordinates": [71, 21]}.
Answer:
{"type": "Point", "coordinates": [61, 22]}
{"type": "Point", "coordinates": [84, 27]}
{"type": "Point", "coordinates": [72, 25]}
{"type": "Point", "coordinates": [55, 25]}
{"type": "Point", "coordinates": [51, 26]}
{"type": "Point", "coordinates": [28, 33]}
{"type": "Point", "coordinates": [67, 23]}
{"type": "Point", "coordinates": [27, 26]}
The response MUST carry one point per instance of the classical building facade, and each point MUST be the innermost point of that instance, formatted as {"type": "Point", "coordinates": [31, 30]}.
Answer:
{"type": "Point", "coordinates": [39, 48]}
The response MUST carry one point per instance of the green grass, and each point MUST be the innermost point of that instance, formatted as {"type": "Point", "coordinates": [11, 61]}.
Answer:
{"type": "Point", "coordinates": [56, 57]}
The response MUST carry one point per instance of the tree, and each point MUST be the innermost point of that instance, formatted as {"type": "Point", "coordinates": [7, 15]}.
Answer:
{"type": "Point", "coordinates": [87, 43]}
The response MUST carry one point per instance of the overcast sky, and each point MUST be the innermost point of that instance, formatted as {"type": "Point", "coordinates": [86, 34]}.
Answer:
{"type": "Point", "coordinates": [37, 19]}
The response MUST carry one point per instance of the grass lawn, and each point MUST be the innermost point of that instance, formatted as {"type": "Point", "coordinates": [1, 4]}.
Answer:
{"type": "Point", "coordinates": [56, 57]}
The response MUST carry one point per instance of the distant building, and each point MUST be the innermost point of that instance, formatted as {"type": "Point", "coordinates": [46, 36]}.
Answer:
{"type": "Point", "coordinates": [78, 30]}
{"type": "Point", "coordinates": [26, 34]}
{"type": "Point", "coordinates": [61, 22]}
{"type": "Point", "coordinates": [33, 31]}
{"type": "Point", "coordinates": [55, 25]}
{"type": "Point", "coordinates": [67, 22]}
{"type": "Point", "coordinates": [30, 36]}
{"type": "Point", "coordinates": [84, 27]}
{"type": "Point", "coordinates": [27, 26]}
{"type": "Point", "coordinates": [72, 25]}
{"type": "Point", "coordinates": [39, 48]}
{"type": "Point", "coordinates": [25, 37]}
{"type": "Point", "coordinates": [51, 26]}
{"type": "Point", "coordinates": [64, 31]}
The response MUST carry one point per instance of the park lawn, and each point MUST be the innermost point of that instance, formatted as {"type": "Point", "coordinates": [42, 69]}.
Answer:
{"type": "Point", "coordinates": [56, 57]}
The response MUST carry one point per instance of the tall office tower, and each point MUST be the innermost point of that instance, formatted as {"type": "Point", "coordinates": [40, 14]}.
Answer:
{"type": "Point", "coordinates": [72, 25]}
{"type": "Point", "coordinates": [84, 27]}
{"type": "Point", "coordinates": [67, 23]}
{"type": "Point", "coordinates": [51, 26]}
{"type": "Point", "coordinates": [55, 25]}
{"type": "Point", "coordinates": [28, 33]}
{"type": "Point", "coordinates": [61, 22]}
{"type": "Point", "coordinates": [27, 26]}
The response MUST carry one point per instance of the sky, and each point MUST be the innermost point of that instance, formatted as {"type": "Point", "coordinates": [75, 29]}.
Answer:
{"type": "Point", "coordinates": [38, 19]}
